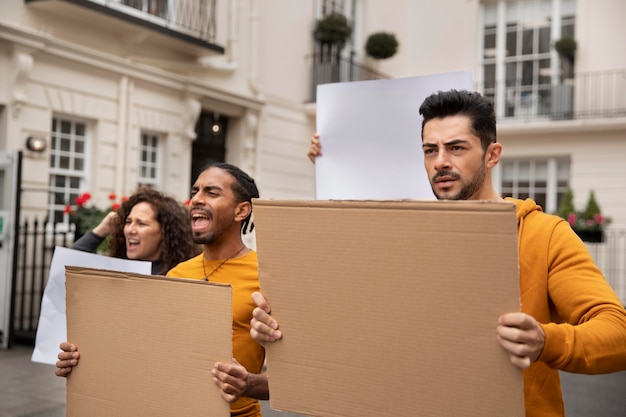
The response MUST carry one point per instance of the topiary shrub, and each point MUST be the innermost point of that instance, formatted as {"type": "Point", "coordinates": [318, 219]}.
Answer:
{"type": "Point", "coordinates": [381, 45]}
{"type": "Point", "coordinates": [332, 29]}
{"type": "Point", "coordinates": [566, 47]}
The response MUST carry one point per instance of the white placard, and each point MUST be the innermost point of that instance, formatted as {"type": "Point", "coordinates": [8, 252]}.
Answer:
{"type": "Point", "coordinates": [371, 140]}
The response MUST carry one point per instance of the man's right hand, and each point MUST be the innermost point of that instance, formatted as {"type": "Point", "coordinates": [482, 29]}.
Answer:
{"type": "Point", "coordinates": [316, 148]}
{"type": "Point", "coordinates": [263, 327]}
{"type": "Point", "coordinates": [67, 359]}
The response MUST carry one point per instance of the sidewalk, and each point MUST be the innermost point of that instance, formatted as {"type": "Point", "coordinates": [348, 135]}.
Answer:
{"type": "Point", "coordinates": [29, 389]}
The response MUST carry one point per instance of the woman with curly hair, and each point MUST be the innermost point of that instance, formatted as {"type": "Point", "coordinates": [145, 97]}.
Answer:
{"type": "Point", "coordinates": [149, 226]}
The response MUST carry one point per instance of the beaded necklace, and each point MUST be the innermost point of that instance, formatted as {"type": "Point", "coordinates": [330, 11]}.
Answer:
{"type": "Point", "coordinates": [206, 277]}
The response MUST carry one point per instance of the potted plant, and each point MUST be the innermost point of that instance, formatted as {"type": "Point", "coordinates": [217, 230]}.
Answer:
{"type": "Point", "coordinates": [85, 217]}
{"type": "Point", "coordinates": [563, 94]}
{"type": "Point", "coordinates": [381, 45]}
{"type": "Point", "coordinates": [588, 224]}
{"type": "Point", "coordinates": [333, 29]}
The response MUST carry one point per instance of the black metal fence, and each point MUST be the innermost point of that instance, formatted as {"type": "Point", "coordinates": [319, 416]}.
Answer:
{"type": "Point", "coordinates": [35, 244]}
{"type": "Point", "coordinates": [585, 95]}
{"type": "Point", "coordinates": [329, 66]}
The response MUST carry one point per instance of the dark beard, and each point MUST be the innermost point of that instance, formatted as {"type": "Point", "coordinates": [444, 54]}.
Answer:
{"type": "Point", "coordinates": [468, 189]}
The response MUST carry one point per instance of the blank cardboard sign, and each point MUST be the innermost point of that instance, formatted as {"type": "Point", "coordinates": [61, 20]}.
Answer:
{"type": "Point", "coordinates": [147, 344]}
{"type": "Point", "coordinates": [389, 308]}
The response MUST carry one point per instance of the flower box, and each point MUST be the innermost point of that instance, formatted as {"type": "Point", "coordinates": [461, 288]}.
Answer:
{"type": "Point", "coordinates": [591, 236]}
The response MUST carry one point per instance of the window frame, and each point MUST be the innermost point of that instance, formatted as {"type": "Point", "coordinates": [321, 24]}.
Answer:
{"type": "Point", "coordinates": [74, 180]}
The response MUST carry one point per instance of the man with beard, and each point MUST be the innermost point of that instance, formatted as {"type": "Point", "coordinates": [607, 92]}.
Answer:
{"type": "Point", "coordinates": [571, 319]}
{"type": "Point", "coordinates": [221, 208]}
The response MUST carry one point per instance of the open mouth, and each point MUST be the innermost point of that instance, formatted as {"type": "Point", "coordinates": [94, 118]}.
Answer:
{"type": "Point", "coordinates": [199, 221]}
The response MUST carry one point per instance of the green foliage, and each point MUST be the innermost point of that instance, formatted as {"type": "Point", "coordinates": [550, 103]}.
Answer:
{"type": "Point", "coordinates": [592, 208]}
{"type": "Point", "coordinates": [567, 204]}
{"type": "Point", "coordinates": [588, 220]}
{"type": "Point", "coordinates": [86, 218]}
{"type": "Point", "coordinates": [566, 47]}
{"type": "Point", "coordinates": [332, 29]}
{"type": "Point", "coordinates": [381, 45]}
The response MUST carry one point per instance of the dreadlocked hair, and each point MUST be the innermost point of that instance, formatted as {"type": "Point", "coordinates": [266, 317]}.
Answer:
{"type": "Point", "coordinates": [173, 219]}
{"type": "Point", "coordinates": [244, 188]}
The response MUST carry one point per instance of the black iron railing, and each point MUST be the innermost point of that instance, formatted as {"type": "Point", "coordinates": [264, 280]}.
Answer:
{"type": "Point", "coordinates": [190, 20]}
{"type": "Point", "coordinates": [586, 95]}
{"type": "Point", "coordinates": [35, 245]}
{"type": "Point", "coordinates": [329, 67]}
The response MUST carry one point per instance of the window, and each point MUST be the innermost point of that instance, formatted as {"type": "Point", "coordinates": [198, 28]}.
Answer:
{"type": "Point", "coordinates": [517, 46]}
{"type": "Point", "coordinates": [68, 143]}
{"type": "Point", "coordinates": [545, 180]}
{"type": "Point", "coordinates": [149, 159]}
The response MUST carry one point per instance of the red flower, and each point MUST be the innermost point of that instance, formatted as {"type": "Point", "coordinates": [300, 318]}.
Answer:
{"type": "Point", "coordinates": [571, 219]}
{"type": "Point", "coordinates": [82, 199]}
{"type": "Point", "coordinates": [112, 196]}
{"type": "Point", "coordinates": [124, 198]}
{"type": "Point", "coordinates": [115, 206]}
{"type": "Point", "coordinates": [67, 209]}
{"type": "Point", "coordinates": [599, 218]}
{"type": "Point", "coordinates": [187, 202]}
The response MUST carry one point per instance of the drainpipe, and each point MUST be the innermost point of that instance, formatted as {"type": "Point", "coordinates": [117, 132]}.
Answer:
{"type": "Point", "coordinates": [122, 132]}
{"type": "Point", "coordinates": [253, 81]}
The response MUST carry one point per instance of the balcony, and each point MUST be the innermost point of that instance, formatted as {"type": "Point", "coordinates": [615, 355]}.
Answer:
{"type": "Point", "coordinates": [585, 96]}
{"type": "Point", "coordinates": [190, 21]}
{"type": "Point", "coordinates": [329, 68]}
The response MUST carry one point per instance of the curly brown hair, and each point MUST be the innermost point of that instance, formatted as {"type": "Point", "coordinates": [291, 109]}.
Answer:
{"type": "Point", "coordinates": [173, 219]}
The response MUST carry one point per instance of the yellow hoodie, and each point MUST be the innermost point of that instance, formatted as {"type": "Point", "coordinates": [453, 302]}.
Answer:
{"type": "Point", "coordinates": [582, 317]}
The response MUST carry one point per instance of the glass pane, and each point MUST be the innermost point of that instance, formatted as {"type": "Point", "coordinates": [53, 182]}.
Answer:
{"type": "Point", "coordinates": [508, 172]}
{"type": "Point", "coordinates": [144, 155]}
{"type": "Point", "coordinates": [143, 172]}
{"type": "Point", "coordinates": [540, 198]}
{"type": "Point", "coordinates": [527, 42]}
{"type": "Point", "coordinates": [79, 164]}
{"type": "Point", "coordinates": [511, 74]}
{"type": "Point", "coordinates": [511, 43]}
{"type": "Point", "coordinates": [567, 29]}
{"type": "Point", "coordinates": [54, 125]}
{"type": "Point", "coordinates": [153, 159]}
{"type": "Point", "coordinates": [64, 162]}
{"type": "Point", "coordinates": [527, 73]}
{"type": "Point", "coordinates": [66, 127]}
{"type": "Point", "coordinates": [541, 170]}
{"type": "Point", "coordinates": [489, 45]}
{"type": "Point", "coordinates": [59, 181]}
{"type": "Point", "coordinates": [153, 143]}
{"type": "Point", "coordinates": [80, 129]}
{"type": "Point", "coordinates": [152, 172]}
{"type": "Point", "coordinates": [74, 182]}
{"type": "Point", "coordinates": [65, 145]}
{"type": "Point", "coordinates": [53, 142]}
{"type": "Point", "coordinates": [490, 76]}
{"type": "Point", "coordinates": [79, 146]}
{"type": "Point", "coordinates": [544, 39]}
{"type": "Point", "coordinates": [523, 170]}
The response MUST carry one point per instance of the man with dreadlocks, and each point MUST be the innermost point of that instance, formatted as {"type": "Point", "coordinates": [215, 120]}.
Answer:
{"type": "Point", "coordinates": [220, 210]}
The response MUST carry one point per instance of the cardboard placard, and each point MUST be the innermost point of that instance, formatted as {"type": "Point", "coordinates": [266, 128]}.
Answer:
{"type": "Point", "coordinates": [390, 308]}
{"type": "Point", "coordinates": [147, 344]}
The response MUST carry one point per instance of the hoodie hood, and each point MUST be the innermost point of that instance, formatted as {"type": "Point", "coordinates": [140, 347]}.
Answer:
{"type": "Point", "coordinates": [524, 208]}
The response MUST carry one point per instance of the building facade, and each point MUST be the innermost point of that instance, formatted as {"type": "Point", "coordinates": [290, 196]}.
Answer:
{"type": "Point", "coordinates": [146, 92]}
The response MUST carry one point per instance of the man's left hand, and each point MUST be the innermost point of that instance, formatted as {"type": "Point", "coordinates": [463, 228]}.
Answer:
{"type": "Point", "coordinates": [522, 337]}
{"type": "Point", "coordinates": [232, 378]}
